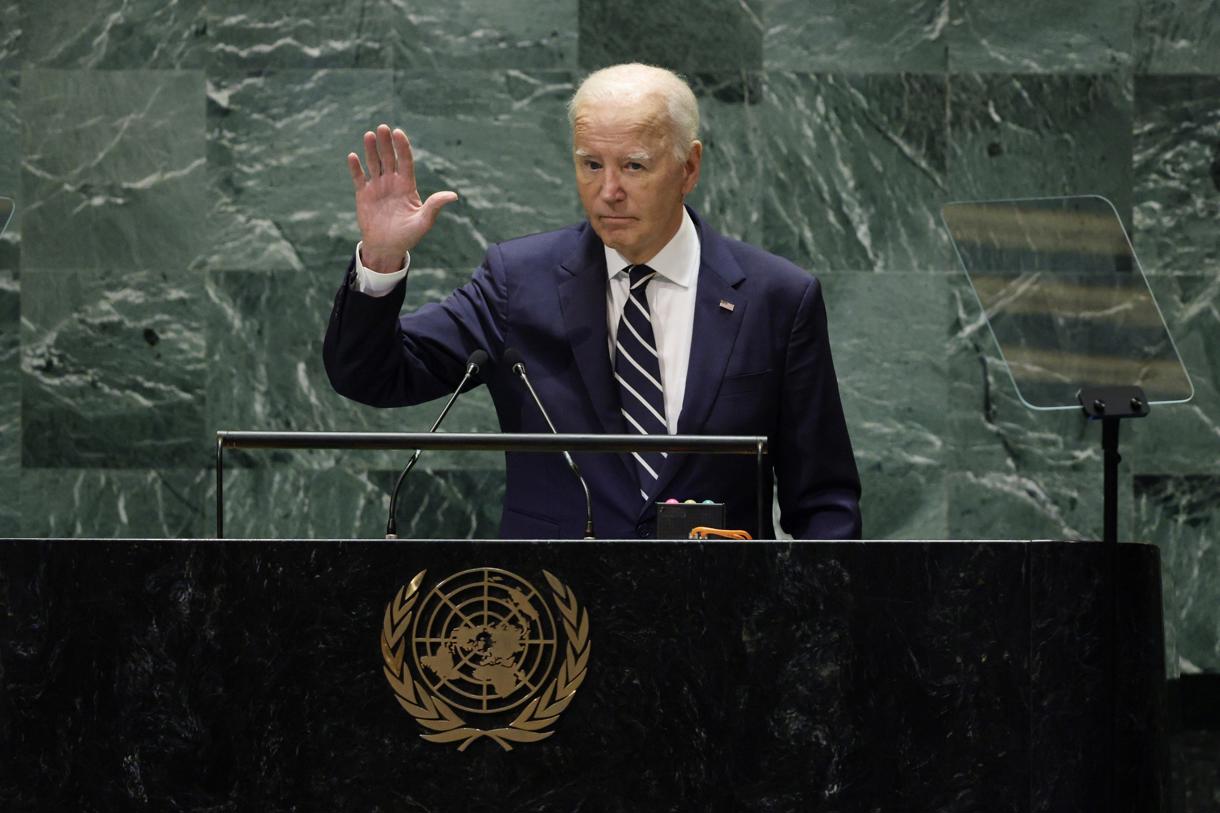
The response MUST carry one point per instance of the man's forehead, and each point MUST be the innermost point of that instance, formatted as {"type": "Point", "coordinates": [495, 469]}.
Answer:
{"type": "Point", "coordinates": [640, 114]}
{"type": "Point", "coordinates": [627, 133]}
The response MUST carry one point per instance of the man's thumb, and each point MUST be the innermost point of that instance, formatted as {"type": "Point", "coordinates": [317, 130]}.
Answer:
{"type": "Point", "coordinates": [437, 201]}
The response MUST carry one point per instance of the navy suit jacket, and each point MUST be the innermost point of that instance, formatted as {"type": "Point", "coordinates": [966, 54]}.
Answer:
{"type": "Point", "coordinates": [762, 367]}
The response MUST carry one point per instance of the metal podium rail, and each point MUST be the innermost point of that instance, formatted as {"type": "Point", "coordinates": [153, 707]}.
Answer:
{"type": "Point", "coordinates": [488, 442]}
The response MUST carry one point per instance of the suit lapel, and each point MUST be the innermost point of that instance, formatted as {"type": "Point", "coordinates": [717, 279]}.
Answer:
{"type": "Point", "coordinates": [713, 336]}
{"type": "Point", "coordinates": [582, 301]}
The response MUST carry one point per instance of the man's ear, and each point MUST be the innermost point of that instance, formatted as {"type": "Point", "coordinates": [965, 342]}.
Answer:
{"type": "Point", "coordinates": [694, 160]}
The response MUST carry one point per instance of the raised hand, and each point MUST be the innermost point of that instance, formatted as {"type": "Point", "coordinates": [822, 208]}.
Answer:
{"type": "Point", "coordinates": [391, 216]}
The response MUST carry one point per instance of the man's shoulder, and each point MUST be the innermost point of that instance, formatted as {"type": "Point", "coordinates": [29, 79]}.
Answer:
{"type": "Point", "coordinates": [549, 247]}
{"type": "Point", "coordinates": [767, 270]}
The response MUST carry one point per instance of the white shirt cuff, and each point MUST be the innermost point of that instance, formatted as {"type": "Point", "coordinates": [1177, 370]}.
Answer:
{"type": "Point", "coordinates": [374, 284]}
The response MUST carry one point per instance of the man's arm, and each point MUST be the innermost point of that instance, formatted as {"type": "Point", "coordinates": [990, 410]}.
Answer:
{"type": "Point", "coordinates": [816, 478]}
{"type": "Point", "coordinates": [369, 356]}
{"type": "Point", "coordinates": [377, 357]}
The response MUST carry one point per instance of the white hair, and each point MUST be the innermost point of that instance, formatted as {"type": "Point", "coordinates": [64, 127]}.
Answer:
{"type": "Point", "coordinates": [633, 82]}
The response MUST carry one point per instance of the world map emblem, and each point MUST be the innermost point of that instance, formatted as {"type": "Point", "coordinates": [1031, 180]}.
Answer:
{"type": "Point", "coordinates": [484, 645]}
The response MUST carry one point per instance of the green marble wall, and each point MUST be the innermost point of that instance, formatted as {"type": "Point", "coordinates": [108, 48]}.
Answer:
{"type": "Point", "coordinates": [185, 214]}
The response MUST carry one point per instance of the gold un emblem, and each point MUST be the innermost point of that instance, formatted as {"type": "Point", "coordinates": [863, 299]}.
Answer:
{"type": "Point", "coordinates": [484, 642]}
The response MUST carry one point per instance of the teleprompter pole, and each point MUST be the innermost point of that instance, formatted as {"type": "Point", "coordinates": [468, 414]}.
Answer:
{"type": "Point", "coordinates": [1110, 460]}
{"type": "Point", "coordinates": [1110, 405]}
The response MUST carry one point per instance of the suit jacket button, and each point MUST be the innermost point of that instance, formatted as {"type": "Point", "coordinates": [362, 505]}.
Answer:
{"type": "Point", "coordinates": [643, 531]}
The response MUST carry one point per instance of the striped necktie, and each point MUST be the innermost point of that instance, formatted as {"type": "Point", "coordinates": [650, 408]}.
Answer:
{"type": "Point", "coordinates": [637, 368]}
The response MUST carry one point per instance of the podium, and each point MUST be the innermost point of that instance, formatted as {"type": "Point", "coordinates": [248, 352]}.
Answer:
{"type": "Point", "coordinates": [837, 676]}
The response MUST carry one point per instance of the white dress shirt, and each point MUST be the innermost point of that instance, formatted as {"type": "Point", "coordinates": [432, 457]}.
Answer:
{"type": "Point", "coordinates": [374, 284]}
{"type": "Point", "coordinates": [671, 302]}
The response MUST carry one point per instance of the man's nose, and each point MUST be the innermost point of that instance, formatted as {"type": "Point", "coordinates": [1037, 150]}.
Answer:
{"type": "Point", "coordinates": [612, 187]}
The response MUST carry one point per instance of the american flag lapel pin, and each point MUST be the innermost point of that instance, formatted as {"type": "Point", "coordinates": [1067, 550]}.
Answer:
{"type": "Point", "coordinates": [727, 305]}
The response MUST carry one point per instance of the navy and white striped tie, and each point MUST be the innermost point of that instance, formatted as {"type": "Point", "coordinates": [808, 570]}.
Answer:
{"type": "Point", "coordinates": [638, 371]}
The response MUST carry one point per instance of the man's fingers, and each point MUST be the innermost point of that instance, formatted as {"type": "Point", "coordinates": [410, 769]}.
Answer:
{"type": "Point", "coordinates": [385, 150]}
{"type": "Point", "coordinates": [370, 155]}
{"type": "Point", "coordinates": [353, 166]}
{"type": "Point", "coordinates": [437, 201]}
{"type": "Point", "coordinates": [402, 151]}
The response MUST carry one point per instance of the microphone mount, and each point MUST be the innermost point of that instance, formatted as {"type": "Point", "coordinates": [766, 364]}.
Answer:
{"type": "Point", "coordinates": [473, 364]}
{"type": "Point", "coordinates": [517, 365]}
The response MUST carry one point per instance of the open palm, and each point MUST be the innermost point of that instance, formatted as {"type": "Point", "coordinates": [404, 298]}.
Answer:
{"type": "Point", "coordinates": [391, 215]}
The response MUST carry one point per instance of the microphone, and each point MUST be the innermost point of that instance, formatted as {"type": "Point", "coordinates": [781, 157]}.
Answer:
{"type": "Point", "coordinates": [477, 359]}
{"type": "Point", "coordinates": [513, 359]}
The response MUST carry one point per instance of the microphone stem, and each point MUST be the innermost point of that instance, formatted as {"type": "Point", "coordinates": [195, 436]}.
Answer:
{"type": "Point", "coordinates": [519, 369]}
{"type": "Point", "coordinates": [452, 398]}
{"type": "Point", "coordinates": [391, 527]}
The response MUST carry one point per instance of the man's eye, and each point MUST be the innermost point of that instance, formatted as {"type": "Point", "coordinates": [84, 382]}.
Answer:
{"type": "Point", "coordinates": [592, 165]}
{"type": "Point", "coordinates": [634, 166]}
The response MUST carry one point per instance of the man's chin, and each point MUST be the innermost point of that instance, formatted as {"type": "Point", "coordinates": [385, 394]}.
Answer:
{"type": "Point", "coordinates": [616, 225]}
{"type": "Point", "coordinates": [615, 238]}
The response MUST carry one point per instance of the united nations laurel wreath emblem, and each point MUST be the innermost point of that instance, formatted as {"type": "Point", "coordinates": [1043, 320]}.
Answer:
{"type": "Point", "coordinates": [484, 642]}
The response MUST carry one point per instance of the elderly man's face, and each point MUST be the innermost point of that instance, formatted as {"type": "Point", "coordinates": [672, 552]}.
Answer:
{"type": "Point", "coordinates": [629, 181]}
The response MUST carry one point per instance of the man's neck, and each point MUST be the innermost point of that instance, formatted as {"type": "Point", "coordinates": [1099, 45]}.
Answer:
{"type": "Point", "coordinates": [645, 257]}
{"type": "Point", "coordinates": [673, 261]}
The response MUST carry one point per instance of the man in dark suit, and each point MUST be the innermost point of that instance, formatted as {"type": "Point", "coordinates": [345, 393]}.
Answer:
{"type": "Point", "coordinates": [641, 319]}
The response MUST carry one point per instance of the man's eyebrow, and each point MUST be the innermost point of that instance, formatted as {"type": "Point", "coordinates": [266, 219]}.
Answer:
{"type": "Point", "coordinates": [581, 152]}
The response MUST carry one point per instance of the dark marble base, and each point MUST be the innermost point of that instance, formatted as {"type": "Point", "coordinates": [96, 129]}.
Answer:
{"type": "Point", "coordinates": [1194, 714]}
{"type": "Point", "coordinates": [1196, 771]}
{"type": "Point", "coordinates": [233, 675]}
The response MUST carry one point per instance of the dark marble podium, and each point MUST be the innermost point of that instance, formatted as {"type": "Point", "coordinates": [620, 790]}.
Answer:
{"type": "Point", "coordinates": [874, 676]}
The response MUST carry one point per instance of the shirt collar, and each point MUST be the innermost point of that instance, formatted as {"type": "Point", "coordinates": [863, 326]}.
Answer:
{"type": "Point", "coordinates": [674, 262]}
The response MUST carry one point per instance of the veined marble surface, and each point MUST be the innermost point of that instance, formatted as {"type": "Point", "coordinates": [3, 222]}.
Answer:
{"type": "Point", "coordinates": [280, 192]}
{"type": "Point", "coordinates": [1178, 513]}
{"type": "Point", "coordinates": [1042, 36]}
{"type": "Point", "coordinates": [1021, 136]}
{"type": "Point", "coordinates": [519, 34]}
{"type": "Point", "coordinates": [184, 215]}
{"type": "Point", "coordinates": [10, 293]}
{"type": "Point", "coordinates": [10, 403]}
{"type": "Point", "coordinates": [839, 141]}
{"type": "Point", "coordinates": [1186, 437]}
{"type": "Point", "coordinates": [893, 381]}
{"type": "Point", "coordinates": [287, 34]}
{"type": "Point", "coordinates": [873, 36]}
{"type": "Point", "coordinates": [113, 165]}
{"type": "Point", "coordinates": [115, 34]}
{"type": "Point", "coordinates": [698, 36]}
{"type": "Point", "coordinates": [1178, 36]}
{"type": "Point", "coordinates": [114, 502]}
{"type": "Point", "coordinates": [277, 502]}
{"type": "Point", "coordinates": [10, 156]}
{"type": "Point", "coordinates": [1177, 169]}
{"type": "Point", "coordinates": [10, 34]}
{"type": "Point", "coordinates": [112, 369]}
{"type": "Point", "coordinates": [500, 140]}
{"type": "Point", "coordinates": [265, 372]}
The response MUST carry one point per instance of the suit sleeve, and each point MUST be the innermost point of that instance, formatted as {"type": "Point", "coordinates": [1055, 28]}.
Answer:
{"type": "Point", "coordinates": [377, 356]}
{"type": "Point", "coordinates": [816, 478]}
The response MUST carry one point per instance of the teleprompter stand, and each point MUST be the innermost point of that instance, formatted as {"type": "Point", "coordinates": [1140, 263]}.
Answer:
{"type": "Point", "coordinates": [1075, 321]}
{"type": "Point", "coordinates": [1071, 313]}
{"type": "Point", "coordinates": [1110, 405]}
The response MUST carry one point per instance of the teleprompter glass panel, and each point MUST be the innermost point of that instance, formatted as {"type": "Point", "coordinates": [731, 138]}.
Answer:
{"type": "Point", "coordinates": [1065, 298]}
{"type": "Point", "coordinates": [6, 213]}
